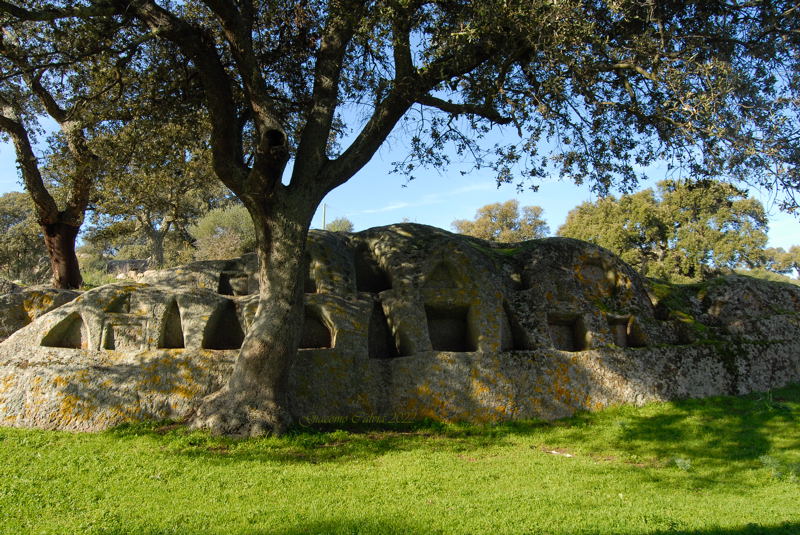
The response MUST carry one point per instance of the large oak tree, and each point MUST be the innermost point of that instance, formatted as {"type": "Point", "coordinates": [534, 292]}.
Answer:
{"type": "Point", "coordinates": [592, 88]}
{"type": "Point", "coordinates": [97, 78]}
{"type": "Point", "coordinates": [679, 231]}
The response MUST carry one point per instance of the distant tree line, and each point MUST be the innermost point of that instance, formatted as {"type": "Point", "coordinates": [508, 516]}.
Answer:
{"type": "Point", "coordinates": [678, 231]}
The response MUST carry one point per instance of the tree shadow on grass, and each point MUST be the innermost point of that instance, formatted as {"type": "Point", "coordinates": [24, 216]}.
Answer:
{"type": "Point", "coordinates": [393, 527]}
{"type": "Point", "coordinates": [319, 444]}
{"type": "Point", "coordinates": [714, 430]}
{"type": "Point", "coordinates": [718, 432]}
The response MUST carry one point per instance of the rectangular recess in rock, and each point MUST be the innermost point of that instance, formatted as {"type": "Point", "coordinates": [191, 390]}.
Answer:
{"type": "Point", "coordinates": [124, 332]}
{"type": "Point", "coordinates": [380, 341]}
{"type": "Point", "coordinates": [315, 333]}
{"type": "Point", "coordinates": [370, 277]}
{"type": "Point", "coordinates": [309, 285]}
{"type": "Point", "coordinates": [233, 283]}
{"type": "Point", "coordinates": [449, 329]}
{"type": "Point", "coordinates": [567, 331]}
{"type": "Point", "coordinates": [513, 337]}
{"type": "Point", "coordinates": [626, 332]}
{"type": "Point", "coordinates": [619, 330]}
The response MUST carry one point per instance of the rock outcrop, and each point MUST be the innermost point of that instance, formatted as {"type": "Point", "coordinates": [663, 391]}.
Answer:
{"type": "Point", "coordinates": [408, 322]}
{"type": "Point", "coordinates": [20, 306]}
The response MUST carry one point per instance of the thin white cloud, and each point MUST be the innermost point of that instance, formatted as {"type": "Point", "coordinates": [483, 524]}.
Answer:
{"type": "Point", "coordinates": [387, 208]}
{"type": "Point", "coordinates": [429, 199]}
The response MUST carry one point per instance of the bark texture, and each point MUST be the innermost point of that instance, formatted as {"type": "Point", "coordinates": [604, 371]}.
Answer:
{"type": "Point", "coordinates": [254, 402]}
{"type": "Point", "coordinates": [59, 238]}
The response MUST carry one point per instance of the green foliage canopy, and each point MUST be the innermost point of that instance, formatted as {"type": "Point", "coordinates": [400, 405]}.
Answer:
{"type": "Point", "coordinates": [782, 261]}
{"type": "Point", "coordinates": [159, 181]}
{"type": "Point", "coordinates": [340, 224]}
{"type": "Point", "coordinates": [502, 222]}
{"type": "Point", "coordinates": [22, 253]}
{"type": "Point", "coordinates": [223, 233]}
{"type": "Point", "coordinates": [681, 231]}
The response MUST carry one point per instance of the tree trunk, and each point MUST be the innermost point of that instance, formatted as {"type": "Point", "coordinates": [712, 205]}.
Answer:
{"type": "Point", "coordinates": [254, 400]}
{"type": "Point", "coordinates": [156, 260]}
{"type": "Point", "coordinates": [59, 238]}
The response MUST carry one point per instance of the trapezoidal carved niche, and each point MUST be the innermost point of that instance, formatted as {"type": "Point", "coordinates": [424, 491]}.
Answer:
{"type": "Point", "coordinates": [170, 335]}
{"type": "Point", "coordinates": [309, 284]}
{"type": "Point", "coordinates": [449, 329]}
{"type": "Point", "coordinates": [444, 275]}
{"type": "Point", "coordinates": [71, 332]}
{"type": "Point", "coordinates": [315, 334]}
{"type": "Point", "coordinates": [380, 340]}
{"type": "Point", "coordinates": [370, 276]}
{"type": "Point", "coordinates": [233, 283]}
{"type": "Point", "coordinates": [223, 330]}
{"type": "Point", "coordinates": [513, 336]}
{"type": "Point", "coordinates": [625, 331]}
{"type": "Point", "coordinates": [567, 332]}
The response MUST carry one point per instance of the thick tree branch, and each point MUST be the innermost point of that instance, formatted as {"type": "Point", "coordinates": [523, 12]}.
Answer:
{"type": "Point", "coordinates": [401, 41]}
{"type": "Point", "coordinates": [238, 29]}
{"type": "Point", "coordinates": [272, 151]}
{"type": "Point", "coordinates": [328, 69]}
{"type": "Point", "coordinates": [86, 161]}
{"type": "Point", "coordinates": [226, 147]}
{"type": "Point", "coordinates": [456, 109]}
{"type": "Point", "coordinates": [29, 167]}
{"type": "Point", "coordinates": [390, 110]}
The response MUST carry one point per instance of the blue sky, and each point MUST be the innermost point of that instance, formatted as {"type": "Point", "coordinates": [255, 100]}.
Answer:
{"type": "Point", "coordinates": [375, 197]}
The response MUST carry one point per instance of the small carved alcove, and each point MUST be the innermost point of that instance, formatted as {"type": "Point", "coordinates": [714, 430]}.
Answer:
{"type": "Point", "coordinates": [626, 332]}
{"type": "Point", "coordinates": [370, 276]}
{"type": "Point", "coordinates": [223, 330]}
{"type": "Point", "coordinates": [449, 329]}
{"type": "Point", "coordinates": [71, 332]}
{"type": "Point", "coordinates": [171, 332]}
{"type": "Point", "coordinates": [513, 336]}
{"type": "Point", "coordinates": [380, 341]}
{"type": "Point", "coordinates": [315, 334]}
{"type": "Point", "coordinates": [567, 331]}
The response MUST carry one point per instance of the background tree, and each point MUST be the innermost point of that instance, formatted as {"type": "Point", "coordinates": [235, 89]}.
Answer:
{"type": "Point", "coordinates": [502, 222]}
{"type": "Point", "coordinates": [22, 253]}
{"type": "Point", "coordinates": [681, 232]}
{"type": "Point", "coordinates": [87, 76]}
{"type": "Point", "coordinates": [340, 224]}
{"type": "Point", "coordinates": [782, 261]}
{"type": "Point", "coordinates": [711, 86]}
{"type": "Point", "coordinates": [158, 181]}
{"type": "Point", "coordinates": [27, 91]}
{"type": "Point", "coordinates": [222, 233]}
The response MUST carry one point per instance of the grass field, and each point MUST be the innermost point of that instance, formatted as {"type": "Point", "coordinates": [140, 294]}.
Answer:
{"type": "Point", "coordinates": [727, 466]}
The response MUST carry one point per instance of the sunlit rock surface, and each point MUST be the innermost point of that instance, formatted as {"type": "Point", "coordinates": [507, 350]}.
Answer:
{"type": "Point", "coordinates": [20, 306]}
{"type": "Point", "coordinates": [408, 322]}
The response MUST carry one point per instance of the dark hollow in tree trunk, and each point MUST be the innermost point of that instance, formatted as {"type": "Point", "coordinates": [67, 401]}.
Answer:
{"type": "Point", "coordinates": [59, 238]}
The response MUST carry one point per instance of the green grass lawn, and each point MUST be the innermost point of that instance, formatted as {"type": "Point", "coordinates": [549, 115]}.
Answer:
{"type": "Point", "coordinates": [728, 466]}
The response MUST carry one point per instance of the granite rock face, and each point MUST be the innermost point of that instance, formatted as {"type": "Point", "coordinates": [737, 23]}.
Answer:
{"type": "Point", "coordinates": [407, 322]}
{"type": "Point", "coordinates": [20, 306]}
